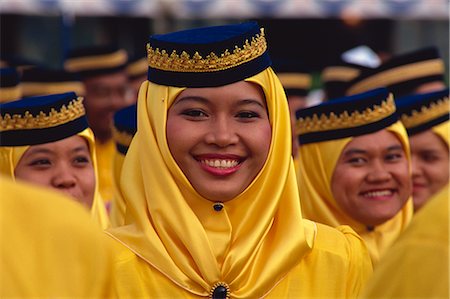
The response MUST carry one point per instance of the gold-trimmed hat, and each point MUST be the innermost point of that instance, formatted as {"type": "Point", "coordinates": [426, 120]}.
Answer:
{"type": "Point", "coordinates": [37, 81]}
{"type": "Point", "coordinates": [10, 88]}
{"type": "Point", "coordinates": [137, 67]}
{"type": "Point", "coordinates": [208, 56]}
{"type": "Point", "coordinates": [350, 116]}
{"type": "Point", "coordinates": [421, 112]}
{"type": "Point", "coordinates": [37, 120]}
{"type": "Point", "coordinates": [96, 60]}
{"type": "Point", "coordinates": [402, 74]}
{"type": "Point", "coordinates": [125, 126]}
{"type": "Point", "coordinates": [294, 76]}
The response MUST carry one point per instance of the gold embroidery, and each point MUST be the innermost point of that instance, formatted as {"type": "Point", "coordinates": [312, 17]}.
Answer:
{"type": "Point", "coordinates": [72, 111]}
{"type": "Point", "coordinates": [426, 114]}
{"type": "Point", "coordinates": [339, 73]}
{"type": "Point", "coordinates": [174, 62]}
{"type": "Point", "coordinates": [122, 137]}
{"type": "Point", "coordinates": [399, 74]}
{"type": "Point", "coordinates": [345, 120]}
{"type": "Point", "coordinates": [93, 62]}
{"type": "Point", "coordinates": [295, 80]}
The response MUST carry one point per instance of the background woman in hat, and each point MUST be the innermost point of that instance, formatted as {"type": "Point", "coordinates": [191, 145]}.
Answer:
{"type": "Point", "coordinates": [212, 207]}
{"type": "Point", "coordinates": [46, 141]}
{"type": "Point", "coordinates": [354, 167]}
{"type": "Point", "coordinates": [425, 117]}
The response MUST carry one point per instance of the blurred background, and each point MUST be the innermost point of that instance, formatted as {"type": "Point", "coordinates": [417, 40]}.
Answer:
{"type": "Point", "coordinates": [314, 31]}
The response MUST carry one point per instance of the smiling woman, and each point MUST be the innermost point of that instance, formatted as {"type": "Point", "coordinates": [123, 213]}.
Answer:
{"type": "Point", "coordinates": [355, 167]}
{"type": "Point", "coordinates": [46, 141]}
{"type": "Point", "coordinates": [212, 207]}
{"type": "Point", "coordinates": [220, 137]}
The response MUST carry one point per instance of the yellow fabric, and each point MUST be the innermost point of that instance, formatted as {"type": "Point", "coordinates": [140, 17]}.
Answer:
{"type": "Point", "coordinates": [443, 131]}
{"type": "Point", "coordinates": [252, 244]}
{"type": "Point", "coordinates": [105, 158]}
{"type": "Point", "coordinates": [117, 212]}
{"type": "Point", "coordinates": [335, 268]}
{"type": "Point", "coordinates": [417, 264]}
{"type": "Point", "coordinates": [10, 157]}
{"type": "Point", "coordinates": [317, 163]}
{"type": "Point", "coordinates": [50, 248]}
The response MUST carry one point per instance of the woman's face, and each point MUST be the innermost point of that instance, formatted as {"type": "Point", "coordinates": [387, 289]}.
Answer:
{"type": "Point", "coordinates": [371, 181]}
{"type": "Point", "coordinates": [430, 163]}
{"type": "Point", "coordinates": [64, 165]}
{"type": "Point", "coordinates": [220, 137]}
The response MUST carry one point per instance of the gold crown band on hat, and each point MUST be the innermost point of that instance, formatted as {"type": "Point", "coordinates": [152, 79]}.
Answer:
{"type": "Point", "coordinates": [345, 120]}
{"type": "Point", "coordinates": [46, 88]}
{"type": "Point", "coordinates": [94, 62]}
{"type": "Point", "coordinates": [8, 94]}
{"type": "Point", "coordinates": [399, 74]}
{"type": "Point", "coordinates": [426, 113]}
{"type": "Point", "coordinates": [72, 111]}
{"type": "Point", "coordinates": [138, 67]}
{"type": "Point", "coordinates": [160, 59]}
{"type": "Point", "coordinates": [121, 137]}
{"type": "Point", "coordinates": [293, 80]}
{"type": "Point", "coordinates": [339, 73]}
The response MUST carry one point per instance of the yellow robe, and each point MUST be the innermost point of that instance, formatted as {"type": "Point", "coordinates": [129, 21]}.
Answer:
{"type": "Point", "coordinates": [417, 264]}
{"type": "Point", "coordinates": [49, 247]}
{"type": "Point", "coordinates": [173, 244]}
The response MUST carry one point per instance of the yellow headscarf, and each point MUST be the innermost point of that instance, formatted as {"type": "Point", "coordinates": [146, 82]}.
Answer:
{"type": "Point", "coordinates": [255, 240]}
{"type": "Point", "coordinates": [443, 131]}
{"type": "Point", "coordinates": [11, 155]}
{"type": "Point", "coordinates": [50, 248]}
{"type": "Point", "coordinates": [317, 163]}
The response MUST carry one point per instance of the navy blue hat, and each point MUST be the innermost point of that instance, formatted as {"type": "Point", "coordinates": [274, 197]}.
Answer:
{"type": "Point", "coordinates": [38, 81]}
{"type": "Point", "coordinates": [336, 78]}
{"type": "Point", "coordinates": [96, 60]}
{"type": "Point", "coordinates": [125, 126]}
{"type": "Point", "coordinates": [294, 76]}
{"type": "Point", "coordinates": [10, 89]}
{"type": "Point", "coordinates": [37, 120]}
{"type": "Point", "coordinates": [402, 74]}
{"type": "Point", "coordinates": [421, 112]}
{"type": "Point", "coordinates": [207, 57]}
{"type": "Point", "coordinates": [350, 116]}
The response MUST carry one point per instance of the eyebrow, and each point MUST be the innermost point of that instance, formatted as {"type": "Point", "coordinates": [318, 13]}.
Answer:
{"type": "Point", "coordinates": [34, 151]}
{"type": "Point", "coordinates": [206, 101]}
{"type": "Point", "coordinates": [353, 151]}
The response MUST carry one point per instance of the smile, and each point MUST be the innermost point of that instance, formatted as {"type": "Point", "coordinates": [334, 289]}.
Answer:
{"type": "Point", "coordinates": [220, 163]}
{"type": "Point", "coordinates": [378, 193]}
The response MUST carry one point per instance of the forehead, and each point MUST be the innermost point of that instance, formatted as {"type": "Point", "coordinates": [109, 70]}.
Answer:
{"type": "Point", "coordinates": [240, 90]}
{"type": "Point", "coordinates": [382, 139]}
{"type": "Point", "coordinates": [69, 143]}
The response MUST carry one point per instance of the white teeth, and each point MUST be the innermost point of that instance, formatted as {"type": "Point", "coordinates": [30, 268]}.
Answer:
{"type": "Point", "coordinates": [220, 163]}
{"type": "Point", "coordinates": [378, 193]}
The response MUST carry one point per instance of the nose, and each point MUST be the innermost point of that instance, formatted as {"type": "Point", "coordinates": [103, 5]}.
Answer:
{"type": "Point", "coordinates": [416, 169]}
{"type": "Point", "coordinates": [379, 173]}
{"type": "Point", "coordinates": [222, 133]}
{"type": "Point", "coordinates": [63, 178]}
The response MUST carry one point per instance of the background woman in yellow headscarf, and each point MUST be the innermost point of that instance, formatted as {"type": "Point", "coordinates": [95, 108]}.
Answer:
{"type": "Point", "coordinates": [354, 167]}
{"type": "Point", "coordinates": [425, 117]}
{"type": "Point", "coordinates": [41, 144]}
{"type": "Point", "coordinates": [212, 206]}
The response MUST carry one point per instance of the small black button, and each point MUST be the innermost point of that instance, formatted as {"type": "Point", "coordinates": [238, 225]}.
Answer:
{"type": "Point", "coordinates": [218, 206]}
{"type": "Point", "coordinates": [220, 292]}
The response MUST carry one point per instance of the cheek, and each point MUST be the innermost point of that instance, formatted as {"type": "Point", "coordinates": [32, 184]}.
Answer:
{"type": "Point", "coordinates": [87, 179]}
